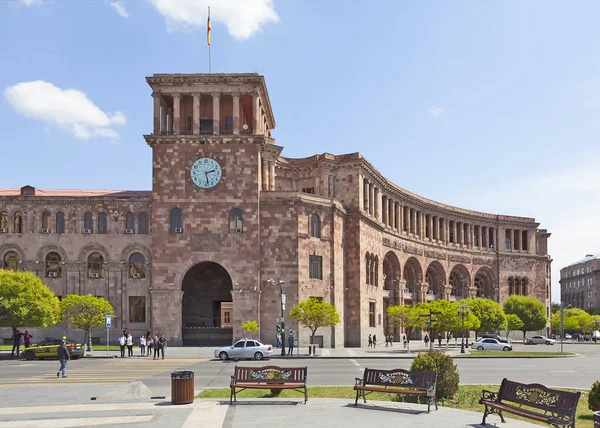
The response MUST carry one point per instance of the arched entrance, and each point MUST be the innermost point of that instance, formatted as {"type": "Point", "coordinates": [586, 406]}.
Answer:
{"type": "Point", "coordinates": [485, 283]}
{"type": "Point", "coordinates": [207, 306]}
{"type": "Point", "coordinates": [391, 279]}
{"type": "Point", "coordinates": [435, 278]}
{"type": "Point", "coordinates": [460, 282]}
{"type": "Point", "coordinates": [413, 275]}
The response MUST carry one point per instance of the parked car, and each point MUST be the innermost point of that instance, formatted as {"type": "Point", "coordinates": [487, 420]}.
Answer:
{"type": "Point", "coordinates": [568, 336]}
{"type": "Point", "coordinates": [488, 344]}
{"type": "Point", "coordinates": [494, 336]}
{"type": "Point", "coordinates": [244, 348]}
{"type": "Point", "coordinates": [48, 348]}
{"type": "Point", "coordinates": [534, 340]}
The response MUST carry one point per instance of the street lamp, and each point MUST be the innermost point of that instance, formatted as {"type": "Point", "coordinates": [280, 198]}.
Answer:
{"type": "Point", "coordinates": [463, 310]}
{"type": "Point", "coordinates": [562, 324]}
{"type": "Point", "coordinates": [280, 283]}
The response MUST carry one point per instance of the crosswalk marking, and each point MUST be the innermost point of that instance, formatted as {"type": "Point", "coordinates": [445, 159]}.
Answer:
{"type": "Point", "coordinates": [119, 371]}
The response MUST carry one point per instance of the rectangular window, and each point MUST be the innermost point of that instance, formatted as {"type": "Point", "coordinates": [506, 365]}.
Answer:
{"type": "Point", "coordinates": [206, 126]}
{"type": "Point", "coordinates": [316, 267]}
{"type": "Point", "coordinates": [190, 123]}
{"type": "Point", "coordinates": [228, 123]}
{"type": "Point", "coordinates": [227, 317]}
{"type": "Point", "coordinates": [137, 309]}
{"type": "Point", "coordinates": [371, 314]}
{"type": "Point", "coordinates": [310, 190]}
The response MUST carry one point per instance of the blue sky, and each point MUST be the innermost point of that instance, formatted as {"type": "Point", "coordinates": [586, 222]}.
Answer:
{"type": "Point", "coordinates": [489, 105]}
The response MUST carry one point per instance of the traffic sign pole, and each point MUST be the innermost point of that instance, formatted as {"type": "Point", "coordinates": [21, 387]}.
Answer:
{"type": "Point", "coordinates": [108, 323]}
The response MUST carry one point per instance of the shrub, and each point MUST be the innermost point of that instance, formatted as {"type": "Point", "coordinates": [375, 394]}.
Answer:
{"type": "Point", "coordinates": [594, 398]}
{"type": "Point", "coordinates": [443, 365]}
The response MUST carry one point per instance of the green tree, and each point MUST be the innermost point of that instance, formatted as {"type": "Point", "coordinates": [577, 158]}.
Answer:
{"type": "Point", "coordinates": [85, 313]}
{"type": "Point", "coordinates": [529, 309]}
{"type": "Point", "coordinates": [250, 326]}
{"type": "Point", "coordinates": [408, 318]}
{"type": "Point", "coordinates": [490, 314]}
{"type": "Point", "coordinates": [555, 307]}
{"type": "Point", "coordinates": [513, 323]}
{"type": "Point", "coordinates": [447, 319]}
{"type": "Point", "coordinates": [25, 301]}
{"type": "Point", "coordinates": [313, 314]}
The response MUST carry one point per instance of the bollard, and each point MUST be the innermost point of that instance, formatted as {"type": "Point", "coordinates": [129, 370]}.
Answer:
{"type": "Point", "coordinates": [182, 387]}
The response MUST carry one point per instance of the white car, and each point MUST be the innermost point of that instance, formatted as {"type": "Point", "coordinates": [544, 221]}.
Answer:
{"type": "Point", "coordinates": [491, 345]}
{"type": "Point", "coordinates": [534, 340]}
{"type": "Point", "coordinates": [244, 348]}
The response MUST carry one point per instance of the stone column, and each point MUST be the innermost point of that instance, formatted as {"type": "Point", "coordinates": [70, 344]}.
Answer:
{"type": "Point", "coordinates": [377, 204]}
{"type": "Point", "coordinates": [163, 119]}
{"type": "Point", "coordinates": [196, 113]}
{"type": "Point", "coordinates": [512, 239]}
{"type": "Point", "coordinates": [272, 175]}
{"type": "Point", "coordinates": [236, 112]}
{"type": "Point", "coordinates": [431, 234]}
{"type": "Point", "coordinates": [361, 193]}
{"type": "Point", "coordinates": [391, 215]}
{"type": "Point", "coordinates": [170, 120]}
{"type": "Point", "coordinates": [384, 207]}
{"type": "Point", "coordinates": [371, 199]}
{"type": "Point", "coordinates": [255, 113]}
{"type": "Point", "coordinates": [156, 127]}
{"type": "Point", "coordinates": [402, 216]}
{"type": "Point", "coordinates": [397, 215]}
{"type": "Point", "coordinates": [265, 174]}
{"type": "Point", "coordinates": [216, 96]}
{"type": "Point", "coordinates": [176, 113]}
{"type": "Point", "coordinates": [454, 236]}
{"type": "Point", "coordinates": [471, 236]}
{"type": "Point", "coordinates": [494, 238]}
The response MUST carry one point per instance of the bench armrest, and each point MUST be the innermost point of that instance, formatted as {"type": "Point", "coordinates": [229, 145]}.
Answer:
{"type": "Point", "coordinates": [489, 395]}
{"type": "Point", "coordinates": [358, 381]}
{"type": "Point", "coordinates": [431, 391]}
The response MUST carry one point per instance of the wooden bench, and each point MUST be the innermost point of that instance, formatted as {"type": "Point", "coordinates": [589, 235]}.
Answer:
{"type": "Point", "coordinates": [397, 381]}
{"type": "Point", "coordinates": [552, 406]}
{"type": "Point", "coordinates": [268, 377]}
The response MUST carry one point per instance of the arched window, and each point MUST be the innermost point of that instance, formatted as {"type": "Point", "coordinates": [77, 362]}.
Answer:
{"type": "Point", "coordinates": [102, 223]}
{"type": "Point", "coordinates": [236, 223]}
{"type": "Point", "coordinates": [315, 226]}
{"type": "Point", "coordinates": [376, 282]}
{"type": "Point", "coordinates": [46, 221]}
{"type": "Point", "coordinates": [144, 224]}
{"type": "Point", "coordinates": [4, 220]}
{"type": "Point", "coordinates": [478, 287]}
{"type": "Point", "coordinates": [11, 261]}
{"type": "Point", "coordinates": [176, 224]}
{"type": "Point", "coordinates": [518, 286]}
{"type": "Point", "coordinates": [524, 286]}
{"type": "Point", "coordinates": [88, 222]}
{"type": "Point", "coordinates": [511, 286]}
{"type": "Point", "coordinates": [60, 222]}
{"type": "Point", "coordinates": [18, 222]}
{"type": "Point", "coordinates": [137, 263]}
{"type": "Point", "coordinates": [368, 267]}
{"type": "Point", "coordinates": [53, 266]}
{"type": "Point", "coordinates": [372, 279]}
{"type": "Point", "coordinates": [130, 222]}
{"type": "Point", "coordinates": [95, 264]}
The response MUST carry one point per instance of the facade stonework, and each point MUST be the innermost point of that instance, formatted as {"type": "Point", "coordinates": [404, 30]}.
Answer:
{"type": "Point", "coordinates": [580, 283]}
{"type": "Point", "coordinates": [330, 226]}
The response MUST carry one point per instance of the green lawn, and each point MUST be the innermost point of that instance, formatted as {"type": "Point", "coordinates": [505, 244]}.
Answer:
{"type": "Point", "coordinates": [509, 354]}
{"type": "Point", "coordinates": [466, 398]}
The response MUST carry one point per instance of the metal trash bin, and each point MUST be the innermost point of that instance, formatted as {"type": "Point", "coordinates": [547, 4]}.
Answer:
{"type": "Point", "coordinates": [596, 419]}
{"type": "Point", "coordinates": [312, 350]}
{"type": "Point", "coordinates": [182, 387]}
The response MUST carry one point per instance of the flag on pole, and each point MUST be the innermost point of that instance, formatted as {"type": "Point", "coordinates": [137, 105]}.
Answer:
{"type": "Point", "coordinates": [208, 28]}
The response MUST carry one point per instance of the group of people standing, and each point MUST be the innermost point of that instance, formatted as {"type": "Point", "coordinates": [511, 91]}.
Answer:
{"type": "Point", "coordinates": [291, 340]}
{"type": "Point", "coordinates": [16, 337]}
{"type": "Point", "coordinates": [148, 344]}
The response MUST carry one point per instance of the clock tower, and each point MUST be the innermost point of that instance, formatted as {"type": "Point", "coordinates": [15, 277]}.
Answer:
{"type": "Point", "coordinates": [212, 155]}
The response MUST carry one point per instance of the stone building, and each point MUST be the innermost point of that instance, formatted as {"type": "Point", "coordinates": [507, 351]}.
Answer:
{"type": "Point", "coordinates": [227, 212]}
{"type": "Point", "coordinates": [580, 283]}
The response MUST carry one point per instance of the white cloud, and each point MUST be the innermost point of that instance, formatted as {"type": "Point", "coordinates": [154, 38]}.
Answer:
{"type": "Point", "coordinates": [435, 111]}
{"type": "Point", "coordinates": [31, 2]}
{"type": "Point", "coordinates": [68, 109]}
{"type": "Point", "coordinates": [242, 18]}
{"type": "Point", "coordinates": [120, 8]}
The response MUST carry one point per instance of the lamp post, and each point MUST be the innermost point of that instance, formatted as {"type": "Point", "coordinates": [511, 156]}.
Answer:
{"type": "Point", "coordinates": [562, 324]}
{"type": "Point", "coordinates": [280, 283]}
{"type": "Point", "coordinates": [463, 310]}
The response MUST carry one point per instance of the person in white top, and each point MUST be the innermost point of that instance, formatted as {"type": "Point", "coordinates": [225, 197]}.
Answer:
{"type": "Point", "coordinates": [129, 345]}
{"type": "Point", "coordinates": [142, 345]}
{"type": "Point", "coordinates": [122, 343]}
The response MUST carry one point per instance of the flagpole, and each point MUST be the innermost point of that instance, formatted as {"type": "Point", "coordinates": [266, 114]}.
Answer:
{"type": "Point", "coordinates": [208, 39]}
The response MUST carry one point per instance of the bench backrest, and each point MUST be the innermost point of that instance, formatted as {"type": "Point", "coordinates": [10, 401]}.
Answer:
{"type": "Point", "coordinates": [270, 374]}
{"type": "Point", "coordinates": [400, 377]}
{"type": "Point", "coordinates": [561, 403]}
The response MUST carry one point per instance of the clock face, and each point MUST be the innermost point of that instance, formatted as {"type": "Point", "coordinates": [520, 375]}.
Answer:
{"type": "Point", "coordinates": [206, 173]}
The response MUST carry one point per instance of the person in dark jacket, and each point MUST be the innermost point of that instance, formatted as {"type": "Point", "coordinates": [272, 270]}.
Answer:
{"type": "Point", "coordinates": [16, 337]}
{"type": "Point", "coordinates": [63, 356]}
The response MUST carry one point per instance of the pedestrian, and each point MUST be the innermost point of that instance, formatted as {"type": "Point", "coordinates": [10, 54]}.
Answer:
{"type": "Point", "coordinates": [370, 340]}
{"type": "Point", "coordinates": [278, 340]}
{"type": "Point", "coordinates": [374, 340]}
{"type": "Point", "coordinates": [16, 337]}
{"type": "Point", "coordinates": [163, 345]}
{"type": "Point", "coordinates": [27, 338]}
{"type": "Point", "coordinates": [391, 339]}
{"type": "Point", "coordinates": [386, 337]}
{"type": "Point", "coordinates": [404, 339]}
{"type": "Point", "coordinates": [291, 343]}
{"type": "Point", "coordinates": [63, 355]}
{"type": "Point", "coordinates": [440, 340]}
{"type": "Point", "coordinates": [129, 345]}
{"type": "Point", "coordinates": [426, 340]}
{"type": "Point", "coordinates": [122, 343]}
{"type": "Point", "coordinates": [156, 347]}
{"type": "Point", "coordinates": [149, 346]}
{"type": "Point", "coordinates": [142, 345]}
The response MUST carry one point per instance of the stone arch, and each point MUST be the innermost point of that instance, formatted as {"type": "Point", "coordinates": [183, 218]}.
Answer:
{"type": "Point", "coordinates": [413, 275]}
{"type": "Point", "coordinates": [136, 248]}
{"type": "Point", "coordinates": [12, 247]}
{"type": "Point", "coordinates": [460, 281]}
{"type": "Point", "coordinates": [94, 246]}
{"type": "Point", "coordinates": [435, 277]}
{"type": "Point", "coordinates": [391, 271]}
{"type": "Point", "coordinates": [41, 254]}
{"type": "Point", "coordinates": [485, 283]}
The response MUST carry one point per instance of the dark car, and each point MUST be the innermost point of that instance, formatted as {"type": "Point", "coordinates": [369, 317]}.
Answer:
{"type": "Point", "coordinates": [48, 348]}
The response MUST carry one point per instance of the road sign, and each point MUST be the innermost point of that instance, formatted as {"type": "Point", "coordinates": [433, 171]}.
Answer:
{"type": "Point", "coordinates": [279, 319]}
{"type": "Point", "coordinates": [283, 299]}
{"type": "Point", "coordinates": [108, 321]}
